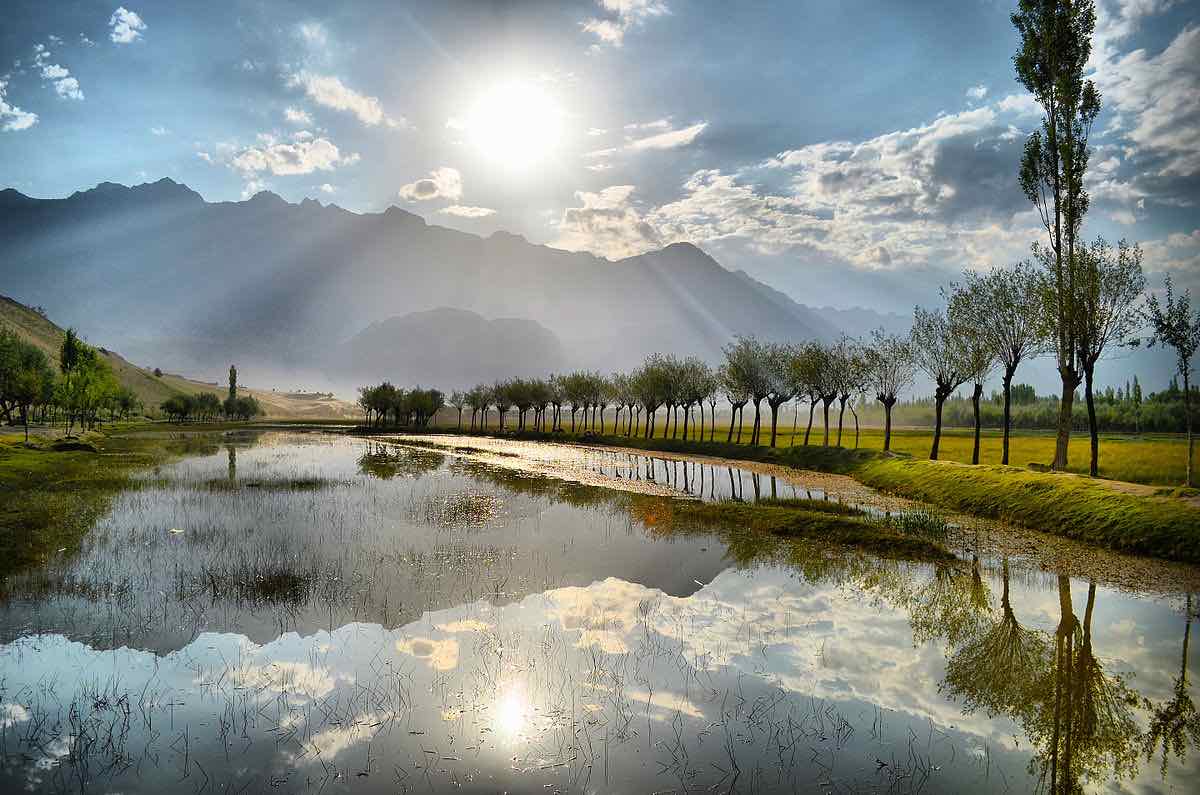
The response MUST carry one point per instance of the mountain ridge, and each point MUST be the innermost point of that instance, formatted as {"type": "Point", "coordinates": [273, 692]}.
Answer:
{"type": "Point", "coordinates": [169, 276]}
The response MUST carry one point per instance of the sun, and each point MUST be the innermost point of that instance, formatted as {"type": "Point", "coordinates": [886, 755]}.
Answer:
{"type": "Point", "coordinates": [515, 124]}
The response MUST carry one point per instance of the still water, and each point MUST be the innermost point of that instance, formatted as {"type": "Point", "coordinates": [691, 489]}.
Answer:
{"type": "Point", "coordinates": [292, 612]}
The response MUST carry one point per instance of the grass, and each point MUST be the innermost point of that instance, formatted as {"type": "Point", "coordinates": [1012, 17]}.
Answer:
{"type": "Point", "coordinates": [50, 497]}
{"type": "Point", "coordinates": [815, 520]}
{"type": "Point", "coordinates": [1164, 525]}
{"type": "Point", "coordinates": [1153, 459]}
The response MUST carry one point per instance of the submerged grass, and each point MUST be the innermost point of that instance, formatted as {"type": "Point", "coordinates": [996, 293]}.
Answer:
{"type": "Point", "coordinates": [1136, 519]}
{"type": "Point", "coordinates": [816, 520]}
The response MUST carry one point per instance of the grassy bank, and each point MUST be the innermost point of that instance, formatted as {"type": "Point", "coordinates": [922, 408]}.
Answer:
{"type": "Point", "coordinates": [1154, 459]}
{"type": "Point", "coordinates": [53, 490]}
{"type": "Point", "coordinates": [1131, 519]}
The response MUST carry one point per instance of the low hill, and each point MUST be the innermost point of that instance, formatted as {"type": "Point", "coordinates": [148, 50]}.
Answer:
{"type": "Point", "coordinates": [449, 348]}
{"type": "Point", "coordinates": [34, 327]}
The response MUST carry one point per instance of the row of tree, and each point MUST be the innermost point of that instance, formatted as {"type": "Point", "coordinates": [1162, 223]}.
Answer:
{"type": "Point", "coordinates": [207, 407]}
{"type": "Point", "coordinates": [81, 391]}
{"type": "Point", "coordinates": [412, 408]}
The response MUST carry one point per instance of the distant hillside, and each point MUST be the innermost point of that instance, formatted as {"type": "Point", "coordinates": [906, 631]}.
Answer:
{"type": "Point", "coordinates": [167, 277]}
{"type": "Point", "coordinates": [153, 390]}
{"type": "Point", "coordinates": [449, 348]}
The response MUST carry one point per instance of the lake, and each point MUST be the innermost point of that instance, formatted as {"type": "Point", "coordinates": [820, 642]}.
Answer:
{"type": "Point", "coordinates": [304, 611]}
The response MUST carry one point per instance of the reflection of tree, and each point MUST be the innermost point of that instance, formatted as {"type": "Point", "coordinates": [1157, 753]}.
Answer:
{"type": "Point", "coordinates": [995, 670]}
{"type": "Point", "coordinates": [1174, 724]}
{"type": "Point", "coordinates": [232, 451]}
{"type": "Point", "coordinates": [1078, 717]}
{"type": "Point", "coordinates": [1086, 727]}
{"type": "Point", "coordinates": [953, 603]}
{"type": "Point", "coordinates": [388, 461]}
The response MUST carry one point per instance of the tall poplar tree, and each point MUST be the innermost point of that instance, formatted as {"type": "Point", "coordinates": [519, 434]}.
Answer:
{"type": "Point", "coordinates": [1056, 41]}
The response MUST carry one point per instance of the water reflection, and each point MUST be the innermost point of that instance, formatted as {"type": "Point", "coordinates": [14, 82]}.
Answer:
{"type": "Point", "coordinates": [449, 623]}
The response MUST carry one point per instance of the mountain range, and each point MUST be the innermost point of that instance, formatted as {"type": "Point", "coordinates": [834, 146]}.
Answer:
{"type": "Point", "coordinates": [283, 289]}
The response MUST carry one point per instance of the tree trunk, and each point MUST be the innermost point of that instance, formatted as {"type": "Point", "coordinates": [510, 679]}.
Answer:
{"type": "Point", "coordinates": [975, 407]}
{"type": "Point", "coordinates": [855, 413]}
{"type": "Point", "coordinates": [887, 424]}
{"type": "Point", "coordinates": [1008, 377]}
{"type": "Point", "coordinates": [1187, 419]}
{"type": "Point", "coordinates": [812, 408]}
{"type": "Point", "coordinates": [939, 401]}
{"type": "Point", "coordinates": [1061, 443]}
{"type": "Point", "coordinates": [774, 419]}
{"type": "Point", "coordinates": [826, 401]}
{"type": "Point", "coordinates": [741, 421]}
{"type": "Point", "coordinates": [841, 417]}
{"type": "Point", "coordinates": [732, 417]}
{"type": "Point", "coordinates": [1093, 430]}
{"type": "Point", "coordinates": [757, 421]}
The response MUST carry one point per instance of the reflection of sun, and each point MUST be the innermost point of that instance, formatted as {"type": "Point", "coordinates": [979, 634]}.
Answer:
{"type": "Point", "coordinates": [515, 124]}
{"type": "Point", "coordinates": [511, 710]}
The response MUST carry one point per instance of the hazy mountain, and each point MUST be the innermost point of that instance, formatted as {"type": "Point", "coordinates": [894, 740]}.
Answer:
{"type": "Point", "coordinates": [172, 279]}
{"type": "Point", "coordinates": [449, 348]}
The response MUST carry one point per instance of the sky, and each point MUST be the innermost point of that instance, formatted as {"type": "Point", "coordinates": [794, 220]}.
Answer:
{"type": "Point", "coordinates": [851, 154]}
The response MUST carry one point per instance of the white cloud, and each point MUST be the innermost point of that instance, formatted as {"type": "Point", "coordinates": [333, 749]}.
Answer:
{"type": "Point", "coordinates": [285, 159]}
{"type": "Point", "coordinates": [620, 16]}
{"type": "Point", "coordinates": [977, 92]}
{"type": "Point", "coordinates": [314, 34]}
{"type": "Point", "coordinates": [463, 211]}
{"type": "Point", "coordinates": [331, 92]}
{"type": "Point", "coordinates": [942, 192]}
{"type": "Point", "coordinates": [327, 188]}
{"type": "Point", "coordinates": [607, 224]}
{"type": "Point", "coordinates": [1179, 252]}
{"type": "Point", "coordinates": [252, 187]}
{"type": "Point", "coordinates": [57, 75]}
{"type": "Point", "coordinates": [596, 131]}
{"type": "Point", "coordinates": [159, 130]}
{"type": "Point", "coordinates": [670, 139]}
{"type": "Point", "coordinates": [1157, 102]}
{"type": "Point", "coordinates": [85, 41]}
{"type": "Point", "coordinates": [13, 118]}
{"type": "Point", "coordinates": [126, 26]}
{"type": "Point", "coordinates": [442, 183]}
{"type": "Point", "coordinates": [298, 116]}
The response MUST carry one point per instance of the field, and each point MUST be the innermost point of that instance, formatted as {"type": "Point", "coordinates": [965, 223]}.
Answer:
{"type": "Point", "coordinates": [1153, 459]}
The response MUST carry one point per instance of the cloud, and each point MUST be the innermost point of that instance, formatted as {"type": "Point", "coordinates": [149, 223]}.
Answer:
{"type": "Point", "coordinates": [314, 34]}
{"type": "Point", "coordinates": [303, 156]}
{"type": "Point", "coordinates": [620, 16]}
{"type": "Point", "coordinates": [944, 192]}
{"type": "Point", "coordinates": [126, 26]}
{"type": "Point", "coordinates": [298, 116]}
{"type": "Point", "coordinates": [607, 224]}
{"type": "Point", "coordinates": [977, 92]}
{"type": "Point", "coordinates": [13, 118]}
{"type": "Point", "coordinates": [85, 41]}
{"type": "Point", "coordinates": [442, 183]}
{"type": "Point", "coordinates": [464, 211]}
{"type": "Point", "coordinates": [327, 188]}
{"type": "Point", "coordinates": [670, 139]}
{"type": "Point", "coordinates": [159, 130]}
{"type": "Point", "coordinates": [1158, 104]}
{"type": "Point", "coordinates": [1178, 252]}
{"type": "Point", "coordinates": [331, 92]}
{"type": "Point", "coordinates": [57, 75]}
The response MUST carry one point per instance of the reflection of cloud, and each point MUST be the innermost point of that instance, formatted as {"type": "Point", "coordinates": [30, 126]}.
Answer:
{"type": "Point", "coordinates": [12, 714]}
{"type": "Point", "coordinates": [765, 640]}
{"type": "Point", "coordinates": [440, 654]}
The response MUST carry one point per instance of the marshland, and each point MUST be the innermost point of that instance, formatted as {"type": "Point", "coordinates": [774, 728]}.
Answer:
{"type": "Point", "coordinates": [308, 609]}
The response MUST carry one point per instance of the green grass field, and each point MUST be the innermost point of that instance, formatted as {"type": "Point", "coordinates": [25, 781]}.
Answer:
{"type": "Point", "coordinates": [1154, 459]}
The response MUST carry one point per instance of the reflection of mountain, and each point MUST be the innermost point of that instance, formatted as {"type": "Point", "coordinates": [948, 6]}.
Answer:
{"type": "Point", "coordinates": [168, 275]}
